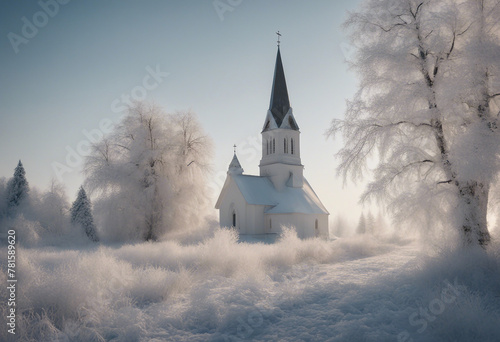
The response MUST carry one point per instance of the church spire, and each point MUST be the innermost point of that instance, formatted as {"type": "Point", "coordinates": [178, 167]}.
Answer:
{"type": "Point", "coordinates": [279, 105]}
{"type": "Point", "coordinates": [235, 166]}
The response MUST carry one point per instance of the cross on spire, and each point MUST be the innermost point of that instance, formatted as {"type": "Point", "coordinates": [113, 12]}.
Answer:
{"type": "Point", "coordinates": [234, 148]}
{"type": "Point", "coordinates": [279, 35]}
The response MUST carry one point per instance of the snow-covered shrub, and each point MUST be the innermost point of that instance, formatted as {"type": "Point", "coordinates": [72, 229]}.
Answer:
{"type": "Point", "coordinates": [205, 290]}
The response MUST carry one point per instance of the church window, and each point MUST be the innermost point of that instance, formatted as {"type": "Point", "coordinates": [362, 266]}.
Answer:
{"type": "Point", "coordinates": [285, 147]}
{"type": "Point", "coordinates": [291, 145]}
{"type": "Point", "coordinates": [274, 145]}
{"type": "Point", "coordinates": [316, 230]}
{"type": "Point", "coordinates": [267, 147]}
{"type": "Point", "coordinates": [234, 218]}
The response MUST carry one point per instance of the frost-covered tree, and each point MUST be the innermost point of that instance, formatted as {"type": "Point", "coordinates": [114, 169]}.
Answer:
{"type": "Point", "coordinates": [3, 197]}
{"type": "Point", "coordinates": [52, 208]}
{"type": "Point", "coordinates": [340, 227]}
{"type": "Point", "coordinates": [380, 224]}
{"type": "Point", "coordinates": [370, 223]}
{"type": "Point", "coordinates": [192, 157]}
{"type": "Point", "coordinates": [81, 215]}
{"type": "Point", "coordinates": [361, 229]}
{"type": "Point", "coordinates": [17, 187]}
{"type": "Point", "coordinates": [149, 174]}
{"type": "Point", "coordinates": [425, 109]}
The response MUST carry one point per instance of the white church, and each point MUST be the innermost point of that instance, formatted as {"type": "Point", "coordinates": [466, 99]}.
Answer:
{"type": "Point", "coordinates": [280, 196]}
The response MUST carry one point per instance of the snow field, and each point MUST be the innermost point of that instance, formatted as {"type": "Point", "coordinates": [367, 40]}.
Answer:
{"type": "Point", "coordinates": [356, 289]}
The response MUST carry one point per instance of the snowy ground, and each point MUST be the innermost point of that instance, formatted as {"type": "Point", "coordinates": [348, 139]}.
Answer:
{"type": "Point", "coordinates": [356, 289]}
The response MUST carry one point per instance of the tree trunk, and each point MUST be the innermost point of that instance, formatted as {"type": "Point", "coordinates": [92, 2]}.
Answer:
{"type": "Point", "coordinates": [150, 235]}
{"type": "Point", "coordinates": [474, 207]}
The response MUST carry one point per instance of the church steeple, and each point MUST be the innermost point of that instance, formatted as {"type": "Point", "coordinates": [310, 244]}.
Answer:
{"type": "Point", "coordinates": [235, 166]}
{"type": "Point", "coordinates": [281, 137]}
{"type": "Point", "coordinates": [279, 105]}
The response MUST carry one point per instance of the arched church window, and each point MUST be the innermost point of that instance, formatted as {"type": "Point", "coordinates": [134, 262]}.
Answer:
{"type": "Point", "coordinates": [234, 218]}
{"type": "Point", "coordinates": [285, 147]}
{"type": "Point", "coordinates": [267, 147]}
{"type": "Point", "coordinates": [316, 228]}
{"type": "Point", "coordinates": [274, 145]}
{"type": "Point", "coordinates": [291, 145]}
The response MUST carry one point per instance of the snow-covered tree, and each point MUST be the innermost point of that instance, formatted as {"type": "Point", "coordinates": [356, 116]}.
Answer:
{"type": "Point", "coordinates": [17, 187]}
{"type": "Point", "coordinates": [340, 227]}
{"type": "Point", "coordinates": [370, 222]}
{"type": "Point", "coordinates": [192, 156]}
{"type": "Point", "coordinates": [51, 208]}
{"type": "Point", "coordinates": [380, 224]}
{"type": "Point", "coordinates": [149, 174]}
{"type": "Point", "coordinates": [425, 109]}
{"type": "Point", "coordinates": [81, 215]}
{"type": "Point", "coordinates": [3, 197]}
{"type": "Point", "coordinates": [361, 229]}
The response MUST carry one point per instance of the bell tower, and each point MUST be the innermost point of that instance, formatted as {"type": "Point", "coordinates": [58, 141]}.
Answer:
{"type": "Point", "coordinates": [281, 137]}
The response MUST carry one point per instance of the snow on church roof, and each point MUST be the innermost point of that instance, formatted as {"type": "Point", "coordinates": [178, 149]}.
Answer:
{"type": "Point", "coordinates": [260, 191]}
{"type": "Point", "coordinates": [256, 190]}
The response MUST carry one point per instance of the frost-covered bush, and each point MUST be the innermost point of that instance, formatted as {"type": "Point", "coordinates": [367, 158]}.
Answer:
{"type": "Point", "coordinates": [205, 290]}
{"type": "Point", "coordinates": [130, 291]}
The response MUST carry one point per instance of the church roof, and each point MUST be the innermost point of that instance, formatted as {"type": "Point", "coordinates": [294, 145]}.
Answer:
{"type": "Point", "coordinates": [279, 105]}
{"type": "Point", "coordinates": [260, 191]}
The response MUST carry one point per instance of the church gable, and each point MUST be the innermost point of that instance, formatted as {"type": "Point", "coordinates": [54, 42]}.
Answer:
{"type": "Point", "coordinates": [269, 123]}
{"type": "Point", "coordinates": [289, 121]}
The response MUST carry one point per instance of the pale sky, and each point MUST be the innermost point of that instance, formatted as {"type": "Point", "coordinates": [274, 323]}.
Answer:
{"type": "Point", "coordinates": [69, 69]}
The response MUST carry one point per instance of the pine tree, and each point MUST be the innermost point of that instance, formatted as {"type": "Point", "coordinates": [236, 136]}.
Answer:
{"type": "Point", "coordinates": [361, 225]}
{"type": "Point", "coordinates": [17, 188]}
{"type": "Point", "coordinates": [370, 223]}
{"type": "Point", "coordinates": [81, 214]}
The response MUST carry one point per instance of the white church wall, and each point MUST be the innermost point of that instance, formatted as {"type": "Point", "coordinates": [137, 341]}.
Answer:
{"type": "Point", "coordinates": [280, 173]}
{"type": "Point", "coordinates": [304, 224]}
{"type": "Point", "coordinates": [233, 201]}
{"type": "Point", "coordinates": [254, 219]}
{"type": "Point", "coordinates": [279, 154]}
